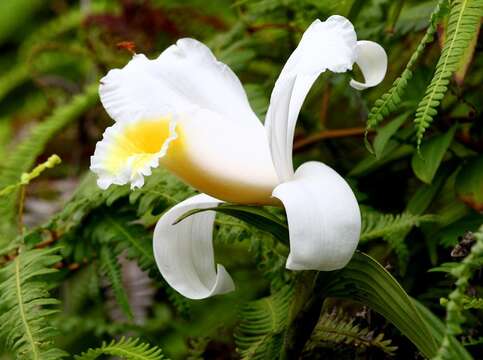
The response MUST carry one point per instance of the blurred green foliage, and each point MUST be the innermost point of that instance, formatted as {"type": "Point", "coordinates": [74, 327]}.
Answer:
{"type": "Point", "coordinates": [411, 148]}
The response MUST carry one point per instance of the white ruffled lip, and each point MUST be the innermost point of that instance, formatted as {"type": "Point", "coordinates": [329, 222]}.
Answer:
{"type": "Point", "coordinates": [127, 174]}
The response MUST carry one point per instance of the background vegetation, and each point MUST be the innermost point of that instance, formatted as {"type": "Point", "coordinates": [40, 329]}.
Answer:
{"type": "Point", "coordinates": [76, 264]}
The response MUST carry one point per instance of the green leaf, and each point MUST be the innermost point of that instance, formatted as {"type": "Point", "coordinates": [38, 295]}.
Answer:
{"type": "Point", "coordinates": [386, 132]}
{"type": "Point", "coordinates": [366, 281]}
{"type": "Point", "coordinates": [422, 198]}
{"type": "Point", "coordinates": [252, 215]}
{"type": "Point", "coordinates": [426, 163]}
{"type": "Point", "coordinates": [438, 331]}
{"type": "Point", "coordinates": [469, 183]}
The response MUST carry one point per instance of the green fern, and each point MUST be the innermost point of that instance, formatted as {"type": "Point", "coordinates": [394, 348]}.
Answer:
{"type": "Point", "coordinates": [261, 331]}
{"type": "Point", "coordinates": [390, 101]}
{"type": "Point", "coordinates": [112, 269]}
{"type": "Point", "coordinates": [25, 306]}
{"type": "Point", "coordinates": [131, 349]}
{"type": "Point", "coordinates": [80, 288]}
{"type": "Point", "coordinates": [22, 72]}
{"type": "Point", "coordinates": [455, 306]}
{"type": "Point", "coordinates": [464, 16]}
{"type": "Point", "coordinates": [14, 77]}
{"type": "Point", "coordinates": [472, 303]}
{"type": "Point", "coordinates": [338, 328]}
{"type": "Point", "coordinates": [16, 14]}
{"type": "Point", "coordinates": [122, 236]}
{"type": "Point", "coordinates": [58, 26]}
{"type": "Point", "coordinates": [391, 228]}
{"type": "Point", "coordinates": [376, 225]}
{"type": "Point", "coordinates": [24, 155]}
{"type": "Point", "coordinates": [5, 133]}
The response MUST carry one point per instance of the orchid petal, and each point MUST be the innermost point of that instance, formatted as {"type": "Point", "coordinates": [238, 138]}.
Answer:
{"type": "Point", "coordinates": [323, 218]}
{"type": "Point", "coordinates": [328, 45]}
{"type": "Point", "coordinates": [372, 61]}
{"type": "Point", "coordinates": [184, 251]}
{"type": "Point", "coordinates": [184, 76]}
{"type": "Point", "coordinates": [221, 147]}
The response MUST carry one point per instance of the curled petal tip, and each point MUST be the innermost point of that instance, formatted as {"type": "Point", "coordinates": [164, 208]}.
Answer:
{"type": "Point", "coordinates": [184, 252]}
{"type": "Point", "coordinates": [372, 60]}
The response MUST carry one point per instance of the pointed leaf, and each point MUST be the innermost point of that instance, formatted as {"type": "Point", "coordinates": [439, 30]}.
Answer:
{"type": "Point", "coordinates": [252, 215]}
{"type": "Point", "coordinates": [386, 132]}
{"type": "Point", "coordinates": [366, 281]}
{"type": "Point", "coordinates": [426, 163]}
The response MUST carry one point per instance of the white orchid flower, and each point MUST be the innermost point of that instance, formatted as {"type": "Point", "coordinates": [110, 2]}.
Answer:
{"type": "Point", "coordinates": [189, 112]}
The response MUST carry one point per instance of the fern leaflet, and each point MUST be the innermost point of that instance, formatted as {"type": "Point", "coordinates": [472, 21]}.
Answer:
{"type": "Point", "coordinates": [260, 333]}
{"type": "Point", "coordinates": [24, 155]}
{"type": "Point", "coordinates": [338, 328]}
{"type": "Point", "coordinates": [376, 225]}
{"type": "Point", "coordinates": [111, 267]}
{"type": "Point", "coordinates": [131, 349]}
{"type": "Point", "coordinates": [463, 18]}
{"type": "Point", "coordinates": [390, 101]}
{"type": "Point", "coordinates": [25, 306]}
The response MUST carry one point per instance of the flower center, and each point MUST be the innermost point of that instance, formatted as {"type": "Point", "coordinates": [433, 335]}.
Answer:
{"type": "Point", "coordinates": [138, 144]}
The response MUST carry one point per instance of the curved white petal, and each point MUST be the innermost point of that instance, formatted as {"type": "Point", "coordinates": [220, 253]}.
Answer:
{"type": "Point", "coordinates": [328, 45]}
{"type": "Point", "coordinates": [185, 76]}
{"type": "Point", "coordinates": [184, 252]}
{"type": "Point", "coordinates": [323, 218]}
{"type": "Point", "coordinates": [372, 61]}
{"type": "Point", "coordinates": [222, 149]}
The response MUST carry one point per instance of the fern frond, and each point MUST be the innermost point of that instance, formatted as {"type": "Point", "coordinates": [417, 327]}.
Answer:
{"type": "Point", "coordinates": [463, 272]}
{"type": "Point", "coordinates": [22, 72]}
{"type": "Point", "coordinates": [79, 288]}
{"type": "Point", "coordinates": [112, 269]}
{"type": "Point", "coordinates": [391, 228]}
{"type": "Point", "coordinates": [467, 302]}
{"type": "Point", "coordinates": [376, 225]}
{"type": "Point", "coordinates": [24, 155]}
{"type": "Point", "coordinates": [25, 306]}
{"type": "Point", "coordinates": [15, 14]}
{"type": "Point", "coordinates": [260, 333]}
{"type": "Point", "coordinates": [463, 19]}
{"type": "Point", "coordinates": [390, 101]}
{"type": "Point", "coordinates": [338, 328]}
{"type": "Point", "coordinates": [117, 232]}
{"type": "Point", "coordinates": [472, 303]}
{"type": "Point", "coordinates": [130, 349]}
{"type": "Point", "coordinates": [56, 27]}
{"type": "Point", "coordinates": [14, 77]}
{"type": "Point", "coordinates": [26, 178]}
{"type": "Point", "coordinates": [121, 235]}
{"type": "Point", "coordinates": [5, 133]}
